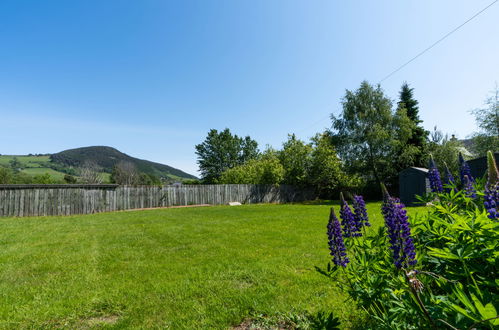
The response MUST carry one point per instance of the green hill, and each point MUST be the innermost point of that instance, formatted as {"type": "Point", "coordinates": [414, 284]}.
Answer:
{"type": "Point", "coordinates": [67, 161]}
{"type": "Point", "coordinates": [107, 158]}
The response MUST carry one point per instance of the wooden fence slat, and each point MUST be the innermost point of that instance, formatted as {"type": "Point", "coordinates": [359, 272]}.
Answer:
{"type": "Point", "coordinates": [39, 200]}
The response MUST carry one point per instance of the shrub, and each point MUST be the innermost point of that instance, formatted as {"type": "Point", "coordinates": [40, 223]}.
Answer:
{"type": "Point", "coordinates": [437, 270]}
{"type": "Point", "coordinates": [265, 170]}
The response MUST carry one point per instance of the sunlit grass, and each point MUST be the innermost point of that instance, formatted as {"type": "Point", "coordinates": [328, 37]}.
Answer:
{"type": "Point", "coordinates": [183, 268]}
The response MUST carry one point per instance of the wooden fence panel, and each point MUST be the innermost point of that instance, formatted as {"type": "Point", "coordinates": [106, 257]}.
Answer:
{"type": "Point", "coordinates": [42, 200]}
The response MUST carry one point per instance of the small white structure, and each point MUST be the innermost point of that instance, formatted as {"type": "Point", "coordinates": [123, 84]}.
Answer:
{"type": "Point", "coordinates": [234, 203]}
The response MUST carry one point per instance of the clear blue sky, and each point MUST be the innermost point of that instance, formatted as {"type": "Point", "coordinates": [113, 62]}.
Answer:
{"type": "Point", "coordinates": [152, 77]}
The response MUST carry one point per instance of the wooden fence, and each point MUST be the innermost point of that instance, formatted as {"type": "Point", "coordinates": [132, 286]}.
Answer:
{"type": "Point", "coordinates": [40, 200]}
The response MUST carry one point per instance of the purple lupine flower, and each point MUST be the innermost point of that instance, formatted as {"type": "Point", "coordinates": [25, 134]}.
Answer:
{"type": "Point", "coordinates": [469, 190]}
{"type": "Point", "coordinates": [335, 241]}
{"type": "Point", "coordinates": [434, 177]}
{"type": "Point", "coordinates": [399, 231]}
{"type": "Point", "coordinates": [351, 228]}
{"type": "Point", "coordinates": [464, 169]}
{"type": "Point", "coordinates": [360, 211]}
{"type": "Point", "coordinates": [491, 197]}
{"type": "Point", "coordinates": [491, 201]}
{"type": "Point", "coordinates": [449, 179]}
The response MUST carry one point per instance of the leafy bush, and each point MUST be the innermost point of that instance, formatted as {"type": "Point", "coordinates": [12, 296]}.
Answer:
{"type": "Point", "coordinates": [265, 170]}
{"type": "Point", "coordinates": [436, 270]}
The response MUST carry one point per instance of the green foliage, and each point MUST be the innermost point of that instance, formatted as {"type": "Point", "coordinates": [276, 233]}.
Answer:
{"type": "Point", "coordinates": [266, 169]}
{"type": "Point", "coordinates": [446, 151]}
{"type": "Point", "coordinates": [412, 151]}
{"type": "Point", "coordinates": [5, 175]}
{"type": "Point", "coordinates": [15, 164]}
{"type": "Point", "coordinates": [9, 176]}
{"type": "Point", "coordinates": [405, 153]}
{"type": "Point", "coordinates": [315, 164]}
{"type": "Point", "coordinates": [191, 181]}
{"type": "Point", "coordinates": [70, 179]}
{"type": "Point", "coordinates": [325, 169]}
{"type": "Point", "coordinates": [364, 133]}
{"type": "Point", "coordinates": [454, 284]}
{"type": "Point", "coordinates": [43, 179]}
{"type": "Point", "coordinates": [295, 158]}
{"type": "Point", "coordinates": [222, 151]}
{"type": "Point", "coordinates": [375, 141]}
{"type": "Point", "coordinates": [487, 120]}
{"type": "Point", "coordinates": [482, 143]}
{"type": "Point", "coordinates": [149, 180]}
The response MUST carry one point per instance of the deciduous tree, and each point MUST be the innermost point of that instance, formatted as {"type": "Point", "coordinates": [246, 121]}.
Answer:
{"type": "Point", "coordinates": [363, 134]}
{"type": "Point", "coordinates": [221, 151]}
{"type": "Point", "coordinates": [487, 119]}
{"type": "Point", "coordinates": [295, 158]}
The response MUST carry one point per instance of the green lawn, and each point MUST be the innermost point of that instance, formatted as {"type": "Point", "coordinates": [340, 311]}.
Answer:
{"type": "Point", "coordinates": [187, 268]}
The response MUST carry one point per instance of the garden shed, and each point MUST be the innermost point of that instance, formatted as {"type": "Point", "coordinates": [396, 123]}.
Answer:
{"type": "Point", "coordinates": [478, 166]}
{"type": "Point", "coordinates": [413, 181]}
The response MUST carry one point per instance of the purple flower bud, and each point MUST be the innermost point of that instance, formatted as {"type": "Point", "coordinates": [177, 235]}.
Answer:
{"type": "Point", "coordinates": [491, 201]}
{"type": "Point", "coordinates": [360, 211]}
{"type": "Point", "coordinates": [399, 232]}
{"type": "Point", "coordinates": [491, 197]}
{"type": "Point", "coordinates": [464, 169]}
{"type": "Point", "coordinates": [469, 190]}
{"type": "Point", "coordinates": [351, 228]}
{"type": "Point", "coordinates": [434, 177]}
{"type": "Point", "coordinates": [449, 179]}
{"type": "Point", "coordinates": [335, 241]}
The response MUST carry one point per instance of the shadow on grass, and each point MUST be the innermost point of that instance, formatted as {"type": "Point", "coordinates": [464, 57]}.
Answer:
{"type": "Point", "coordinates": [319, 202]}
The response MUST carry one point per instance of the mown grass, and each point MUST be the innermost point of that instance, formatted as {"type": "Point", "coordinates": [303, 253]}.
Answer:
{"type": "Point", "coordinates": [185, 268]}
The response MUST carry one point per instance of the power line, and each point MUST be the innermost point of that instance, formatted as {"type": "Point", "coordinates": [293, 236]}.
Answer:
{"type": "Point", "coordinates": [437, 42]}
{"type": "Point", "coordinates": [421, 53]}
{"type": "Point", "coordinates": [314, 124]}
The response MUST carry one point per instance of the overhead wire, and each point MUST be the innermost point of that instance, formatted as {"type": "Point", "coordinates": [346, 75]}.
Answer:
{"type": "Point", "coordinates": [438, 41]}
{"type": "Point", "coordinates": [422, 52]}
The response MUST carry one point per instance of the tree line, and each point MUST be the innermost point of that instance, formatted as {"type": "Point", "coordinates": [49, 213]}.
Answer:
{"type": "Point", "coordinates": [369, 142]}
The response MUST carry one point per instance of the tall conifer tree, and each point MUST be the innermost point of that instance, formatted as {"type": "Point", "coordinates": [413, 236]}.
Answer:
{"type": "Point", "coordinates": [419, 136]}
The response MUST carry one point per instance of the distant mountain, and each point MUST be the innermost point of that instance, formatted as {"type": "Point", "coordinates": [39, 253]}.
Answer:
{"type": "Point", "coordinates": [107, 158]}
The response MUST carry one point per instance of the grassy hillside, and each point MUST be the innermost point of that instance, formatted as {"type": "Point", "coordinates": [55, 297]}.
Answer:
{"type": "Point", "coordinates": [62, 163]}
{"type": "Point", "coordinates": [108, 157]}
{"type": "Point", "coordinates": [33, 165]}
{"type": "Point", "coordinates": [26, 161]}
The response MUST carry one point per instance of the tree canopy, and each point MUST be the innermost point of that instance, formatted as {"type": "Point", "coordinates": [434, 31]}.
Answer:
{"type": "Point", "coordinates": [487, 119]}
{"type": "Point", "coordinates": [363, 133]}
{"type": "Point", "coordinates": [221, 151]}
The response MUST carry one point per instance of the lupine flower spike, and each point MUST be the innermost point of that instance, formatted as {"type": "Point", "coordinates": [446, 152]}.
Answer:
{"type": "Point", "coordinates": [399, 232]}
{"type": "Point", "coordinates": [349, 223]}
{"type": "Point", "coordinates": [335, 241]}
{"type": "Point", "coordinates": [449, 179]}
{"type": "Point", "coordinates": [434, 177]}
{"type": "Point", "coordinates": [469, 190]}
{"type": "Point", "coordinates": [464, 169]}
{"type": "Point", "coordinates": [360, 212]}
{"type": "Point", "coordinates": [491, 198]}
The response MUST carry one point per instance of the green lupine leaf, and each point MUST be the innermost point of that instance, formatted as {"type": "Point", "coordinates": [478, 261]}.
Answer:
{"type": "Point", "coordinates": [439, 253]}
{"type": "Point", "coordinates": [461, 295]}
{"type": "Point", "coordinates": [464, 312]}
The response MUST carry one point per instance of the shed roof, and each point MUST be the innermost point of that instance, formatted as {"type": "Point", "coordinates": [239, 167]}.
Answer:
{"type": "Point", "coordinates": [418, 169]}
